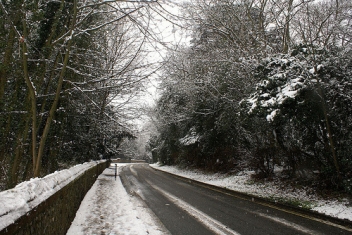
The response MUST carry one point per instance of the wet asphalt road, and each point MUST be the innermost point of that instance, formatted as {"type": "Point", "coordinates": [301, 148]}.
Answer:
{"type": "Point", "coordinates": [185, 208]}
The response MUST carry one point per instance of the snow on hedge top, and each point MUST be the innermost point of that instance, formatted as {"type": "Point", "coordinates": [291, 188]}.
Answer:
{"type": "Point", "coordinates": [15, 202]}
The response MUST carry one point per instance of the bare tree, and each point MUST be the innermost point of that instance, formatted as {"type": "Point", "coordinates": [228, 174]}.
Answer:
{"type": "Point", "coordinates": [91, 48]}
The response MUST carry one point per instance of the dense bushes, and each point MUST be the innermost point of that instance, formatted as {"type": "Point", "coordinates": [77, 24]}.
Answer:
{"type": "Point", "coordinates": [262, 110]}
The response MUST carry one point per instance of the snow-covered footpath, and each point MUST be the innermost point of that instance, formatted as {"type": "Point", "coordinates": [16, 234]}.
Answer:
{"type": "Point", "coordinates": [108, 209]}
{"type": "Point", "coordinates": [15, 202]}
{"type": "Point", "coordinates": [242, 182]}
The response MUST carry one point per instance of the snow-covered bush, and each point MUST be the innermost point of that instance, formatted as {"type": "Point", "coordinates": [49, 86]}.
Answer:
{"type": "Point", "coordinates": [301, 102]}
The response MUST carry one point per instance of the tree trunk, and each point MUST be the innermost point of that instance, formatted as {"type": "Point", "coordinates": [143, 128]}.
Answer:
{"type": "Point", "coordinates": [32, 93]}
{"type": "Point", "coordinates": [57, 96]}
{"type": "Point", "coordinates": [21, 139]}
{"type": "Point", "coordinates": [6, 62]}
{"type": "Point", "coordinates": [46, 90]}
{"type": "Point", "coordinates": [329, 131]}
{"type": "Point", "coordinates": [286, 37]}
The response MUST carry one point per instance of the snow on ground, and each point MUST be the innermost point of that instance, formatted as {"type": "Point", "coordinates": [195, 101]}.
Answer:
{"type": "Point", "coordinates": [242, 182]}
{"type": "Point", "coordinates": [17, 201]}
{"type": "Point", "coordinates": [108, 209]}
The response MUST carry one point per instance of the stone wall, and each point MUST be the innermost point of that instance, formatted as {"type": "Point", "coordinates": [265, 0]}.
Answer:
{"type": "Point", "coordinates": [54, 215]}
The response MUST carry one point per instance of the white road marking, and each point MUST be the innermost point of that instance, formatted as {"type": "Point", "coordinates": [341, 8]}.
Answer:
{"type": "Point", "coordinates": [288, 223]}
{"type": "Point", "coordinates": [133, 171]}
{"type": "Point", "coordinates": [284, 210]}
{"type": "Point", "coordinates": [203, 218]}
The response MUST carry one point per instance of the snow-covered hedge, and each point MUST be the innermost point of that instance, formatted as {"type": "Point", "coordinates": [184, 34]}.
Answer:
{"type": "Point", "coordinates": [18, 201]}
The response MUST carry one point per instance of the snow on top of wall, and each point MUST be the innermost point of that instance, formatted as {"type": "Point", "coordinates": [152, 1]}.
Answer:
{"type": "Point", "coordinates": [15, 202]}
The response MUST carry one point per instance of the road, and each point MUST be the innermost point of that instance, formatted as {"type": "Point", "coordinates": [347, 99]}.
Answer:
{"type": "Point", "coordinates": [186, 208]}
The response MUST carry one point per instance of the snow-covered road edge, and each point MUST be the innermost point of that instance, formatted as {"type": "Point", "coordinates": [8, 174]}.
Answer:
{"type": "Point", "coordinates": [242, 183]}
{"type": "Point", "coordinates": [16, 202]}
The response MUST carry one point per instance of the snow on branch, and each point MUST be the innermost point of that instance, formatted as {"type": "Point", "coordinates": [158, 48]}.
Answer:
{"type": "Point", "coordinates": [109, 22]}
{"type": "Point", "coordinates": [191, 138]}
{"type": "Point", "coordinates": [286, 78]}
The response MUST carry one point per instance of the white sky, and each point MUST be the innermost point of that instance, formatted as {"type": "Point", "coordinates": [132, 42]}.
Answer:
{"type": "Point", "coordinates": [164, 35]}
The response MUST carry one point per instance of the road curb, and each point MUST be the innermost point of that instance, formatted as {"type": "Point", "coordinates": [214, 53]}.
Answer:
{"type": "Point", "coordinates": [343, 223]}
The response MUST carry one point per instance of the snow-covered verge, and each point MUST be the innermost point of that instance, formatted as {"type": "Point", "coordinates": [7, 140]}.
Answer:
{"type": "Point", "coordinates": [242, 182]}
{"type": "Point", "coordinates": [15, 202]}
{"type": "Point", "coordinates": [108, 209]}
